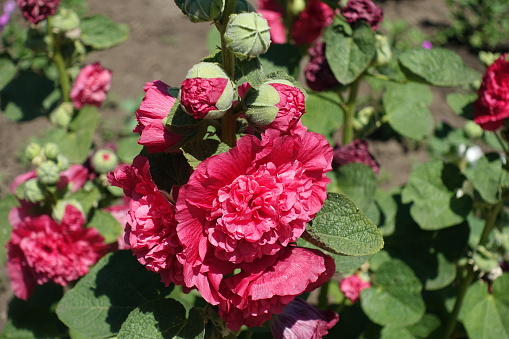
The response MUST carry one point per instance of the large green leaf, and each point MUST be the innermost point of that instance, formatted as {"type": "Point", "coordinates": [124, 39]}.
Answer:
{"type": "Point", "coordinates": [161, 319]}
{"type": "Point", "coordinates": [489, 177]}
{"type": "Point", "coordinates": [128, 148]}
{"type": "Point", "coordinates": [406, 107]}
{"type": "Point", "coordinates": [485, 315]}
{"type": "Point", "coordinates": [341, 228]}
{"type": "Point", "coordinates": [8, 70]}
{"type": "Point", "coordinates": [284, 57]}
{"type": "Point", "coordinates": [6, 204]}
{"type": "Point", "coordinates": [100, 32]}
{"type": "Point", "coordinates": [197, 151]}
{"type": "Point", "coordinates": [432, 189]}
{"type": "Point", "coordinates": [358, 182]}
{"type": "Point", "coordinates": [349, 55]}
{"type": "Point", "coordinates": [106, 225]}
{"type": "Point", "coordinates": [437, 66]}
{"type": "Point", "coordinates": [395, 298]}
{"type": "Point", "coordinates": [461, 104]}
{"type": "Point", "coordinates": [101, 301]}
{"type": "Point", "coordinates": [323, 113]}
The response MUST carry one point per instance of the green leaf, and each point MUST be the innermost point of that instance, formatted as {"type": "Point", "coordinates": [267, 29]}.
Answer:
{"type": "Point", "coordinates": [461, 104]}
{"type": "Point", "coordinates": [396, 298]}
{"type": "Point", "coordinates": [323, 113]}
{"type": "Point", "coordinates": [252, 71]}
{"type": "Point", "coordinates": [432, 189]}
{"type": "Point", "coordinates": [88, 198]}
{"type": "Point", "coordinates": [169, 169]}
{"type": "Point", "coordinates": [486, 315]}
{"type": "Point", "coordinates": [388, 208]}
{"type": "Point", "coordinates": [128, 149]}
{"type": "Point", "coordinates": [8, 70]}
{"type": "Point", "coordinates": [106, 225]}
{"type": "Point", "coordinates": [489, 177]}
{"type": "Point", "coordinates": [425, 326]}
{"type": "Point", "coordinates": [198, 150]}
{"type": "Point", "coordinates": [162, 318]}
{"type": "Point", "coordinates": [79, 6]}
{"type": "Point", "coordinates": [6, 204]}
{"type": "Point", "coordinates": [35, 318]}
{"type": "Point", "coordinates": [437, 66]}
{"type": "Point", "coordinates": [358, 182]}
{"type": "Point", "coordinates": [100, 32]}
{"type": "Point", "coordinates": [406, 109]}
{"type": "Point", "coordinates": [341, 228]}
{"type": "Point", "coordinates": [101, 301]}
{"type": "Point", "coordinates": [394, 331]}
{"type": "Point", "coordinates": [284, 57]}
{"type": "Point", "coordinates": [349, 55]}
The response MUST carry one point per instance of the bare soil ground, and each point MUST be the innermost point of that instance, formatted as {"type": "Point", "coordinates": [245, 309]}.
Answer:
{"type": "Point", "coordinates": [164, 44]}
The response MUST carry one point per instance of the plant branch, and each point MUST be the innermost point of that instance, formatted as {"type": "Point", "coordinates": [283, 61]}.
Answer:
{"type": "Point", "coordinates": [57, 58]}
{"type": "Point", "coordinates": [350, 111]}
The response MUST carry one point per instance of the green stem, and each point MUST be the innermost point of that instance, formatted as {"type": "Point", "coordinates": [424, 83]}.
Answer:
{"type": "Point", "coordinates": [229, 120]}
{"type": "Point", "coordinates": [350, 111]}
{"type": "Point", "coordinates": [488, 227]}
{"type": "Point", "coordinates": [502, 144]}
{"type": "Point", "coordinates": [323, 297]}
{"type": "Point", "coordinates": [57, 58]}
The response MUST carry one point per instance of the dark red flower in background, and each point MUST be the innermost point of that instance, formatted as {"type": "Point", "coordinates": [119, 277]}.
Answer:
{"type": "Point", "coordinates": [356, 10]}
{"type": "Point", "coordinates": [319, 76]}
{"type": "Point", "coordinates": [37, 10]}
{"type": "Point", "coordinates": [356, 151]}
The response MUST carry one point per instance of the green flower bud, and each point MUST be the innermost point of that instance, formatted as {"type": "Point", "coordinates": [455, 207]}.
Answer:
{"type": "Point", "coordinates": [104, 161]}
{"type": "Point", "coordinates": [201, 10]}
{"type": "Point", "coordinates": [33, 191]}
{"type": "Point", "coordinates": [488, 58]}
{"type": "Point", "coordinates": [261, 105]}
{"type": "Point", "coordinates": [50, 151]}
{"type": "Point", "coordinates": [39, 159]}
{"type": "Point", "coordinates": [247, 35]}
{"type": "Point", "coordinates": [364, 117]}
{"type": "Point", "coordinates": [65, 20]}
{"type": "Point", "coordinates": [383, 53]}
{"type": "Point", "coordinates": [62, 162]}
{"type": "Point", "coordinates": [59, 209]}
{"type": "Point", "coordinates": [48, 173]}
{"type": "Point", "coordinates": [62, 115]}
{"type": "Point", "coordinates": [473, 130]}
{"type": "Point", "coordinates": [33, 150]}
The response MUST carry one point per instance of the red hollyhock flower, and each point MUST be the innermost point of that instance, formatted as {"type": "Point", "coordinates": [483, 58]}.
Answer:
{"type": "Point", "coordinates": [356, 10]}
{"type": "Point", "coordinates": [200, 96]}
{"type": "Point", "coordinates": [241, 210]}
{"type": "Point", "coordinates": [492, 106]}
{"type": "Point", "coordinates": [319, 76]}
{"type": "Point", "coordinates": [356, 151]}
{"type": "Point", "coordinates": [37, 10]}
{"type": "Point", "coordinates": [302, 320]}
{"type": "Point", "coordinates": [155, 106]}
{"type": "Point", "coordinates": [277, 28]}
{"type": "Point", "coordinates": [292, 105]}
{"type": "Point", "coordinates": [311, 21]}
{"type": "Point", "coordinates": [352, 287]}
{"type": "Point", "coordinates": [42, 250]}
{"type": "Point", "coordinates": [91, 86]}
{"type": "Point", "coordinates": [151, 224]}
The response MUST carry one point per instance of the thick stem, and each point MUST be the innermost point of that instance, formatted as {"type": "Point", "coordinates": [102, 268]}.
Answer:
{"type": "Point", "coordinates": [323, 297]}
{"type": "Point", "coordinates": [462, 290]}
{"type": "Point", "coordinates": [350, 111]}
{"type": "Point", "coordinates": [57, 58]}
{"type": "Point", "coordinates": [228, 121]}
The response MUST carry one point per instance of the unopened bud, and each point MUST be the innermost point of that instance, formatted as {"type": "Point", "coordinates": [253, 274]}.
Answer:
{"type": "Point", "coordinates": [62, 162]}
{"type": "Point", "coordinates": [104, 161]}
{"type": "Point", "coordinates": [50, 151]}
{"type": "Point", "coordinates": [37, 160]}
{"type": "Point", "coordinates": [473, 130]}
{"type": "Point", "coordinates": [33, 191]}
{"type": "Point", "coordinates": [33, 150]}
{"type": "Point", "coordinates": [207, 92]}
{"type": "Point", "coordinates": [48, 173]}
{"type": "Point", "coordinates": [201, 10]}
{"type": "Point", "coordinates": [247, 35]}
{"type": "Point", "coordinates": [383, 53]}
{"type": "Point", "coordinates": [62, 115]}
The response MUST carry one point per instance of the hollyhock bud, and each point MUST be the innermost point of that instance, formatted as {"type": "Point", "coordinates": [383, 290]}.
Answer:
{"type": "Point", "coordinates": [352, 287]}
{"type": "Point", "coordinates": [207, 92]}
{"type": "Point", "coordinates": [247, 35]}
{"type": "Point", "coordinates": [37, 10]}
{"type": "Point", "coordinates": [357, 152]}
{"type": "Point", "coordinates": [319, 76]}
{"type": "Point", "coordinates": [62, 162]}
{"type": "Point", "coordinates": [33, 191]}
{"type": "Point", "coordinates": [473, 130]}
{"type": "Point", "coordinates": [356, 10]}
{"type": "Point", "coordinates": [277, 104]}
{"type": "Point", "coordinates": [91, 86]}
{"type": "Point", "coordinates": [201, 10]}
{"type": "Point", "coordinates": [62, 115]}
{"type": "Point", "coordinates": [48, 173]}
{"type": "Point", "coordinates": [104, 161]}
{"type": "Point", "coordinates": [492, 106]}
{"type": "Point", "coordinates": [302, 320]}
{"type": "Point", "coordinates": [50, 151]}
{"type": "Point", "coordinates": [383, 52]}
{"type": "Point", "coordinates": [32, 150]}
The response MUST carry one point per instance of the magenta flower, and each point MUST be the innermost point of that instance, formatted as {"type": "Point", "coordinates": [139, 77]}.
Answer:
{"type": "Point", "coordinates": [491, 108]}
{"type": "Point", "coordinates": [357, 152]}
{"type": "Point", "coordinates": [37, 10]}
{"type": "Point", "coordinates": [8, 8]}
{"type": "Point", "coordinates": [91, 86]}
{"type": "Point", "coordinates": [42, 250]}
{"type": "Point", "coordinates": [319, 76]}
{"type": "Point", "coordinates": [200, 96]}
{"type": "Point", "coordinates": [352, 287]}
{"type": "Point", "coordinates": [242, 209]}
{"type": "Point", "coordinates": [426, 44]}
{"type": "Point", "coordinates": [277, 28]}
{"type": "Point", "coordinates": [311, 21]}
{"type": "Point", "coordinates": [302, 320]}
{"type": "Point", "coordinates": [356, 10]}
{"type": "Point", "coordinates": [150, 225]}
{"type": "Point", "coordinates": [155, 106]}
